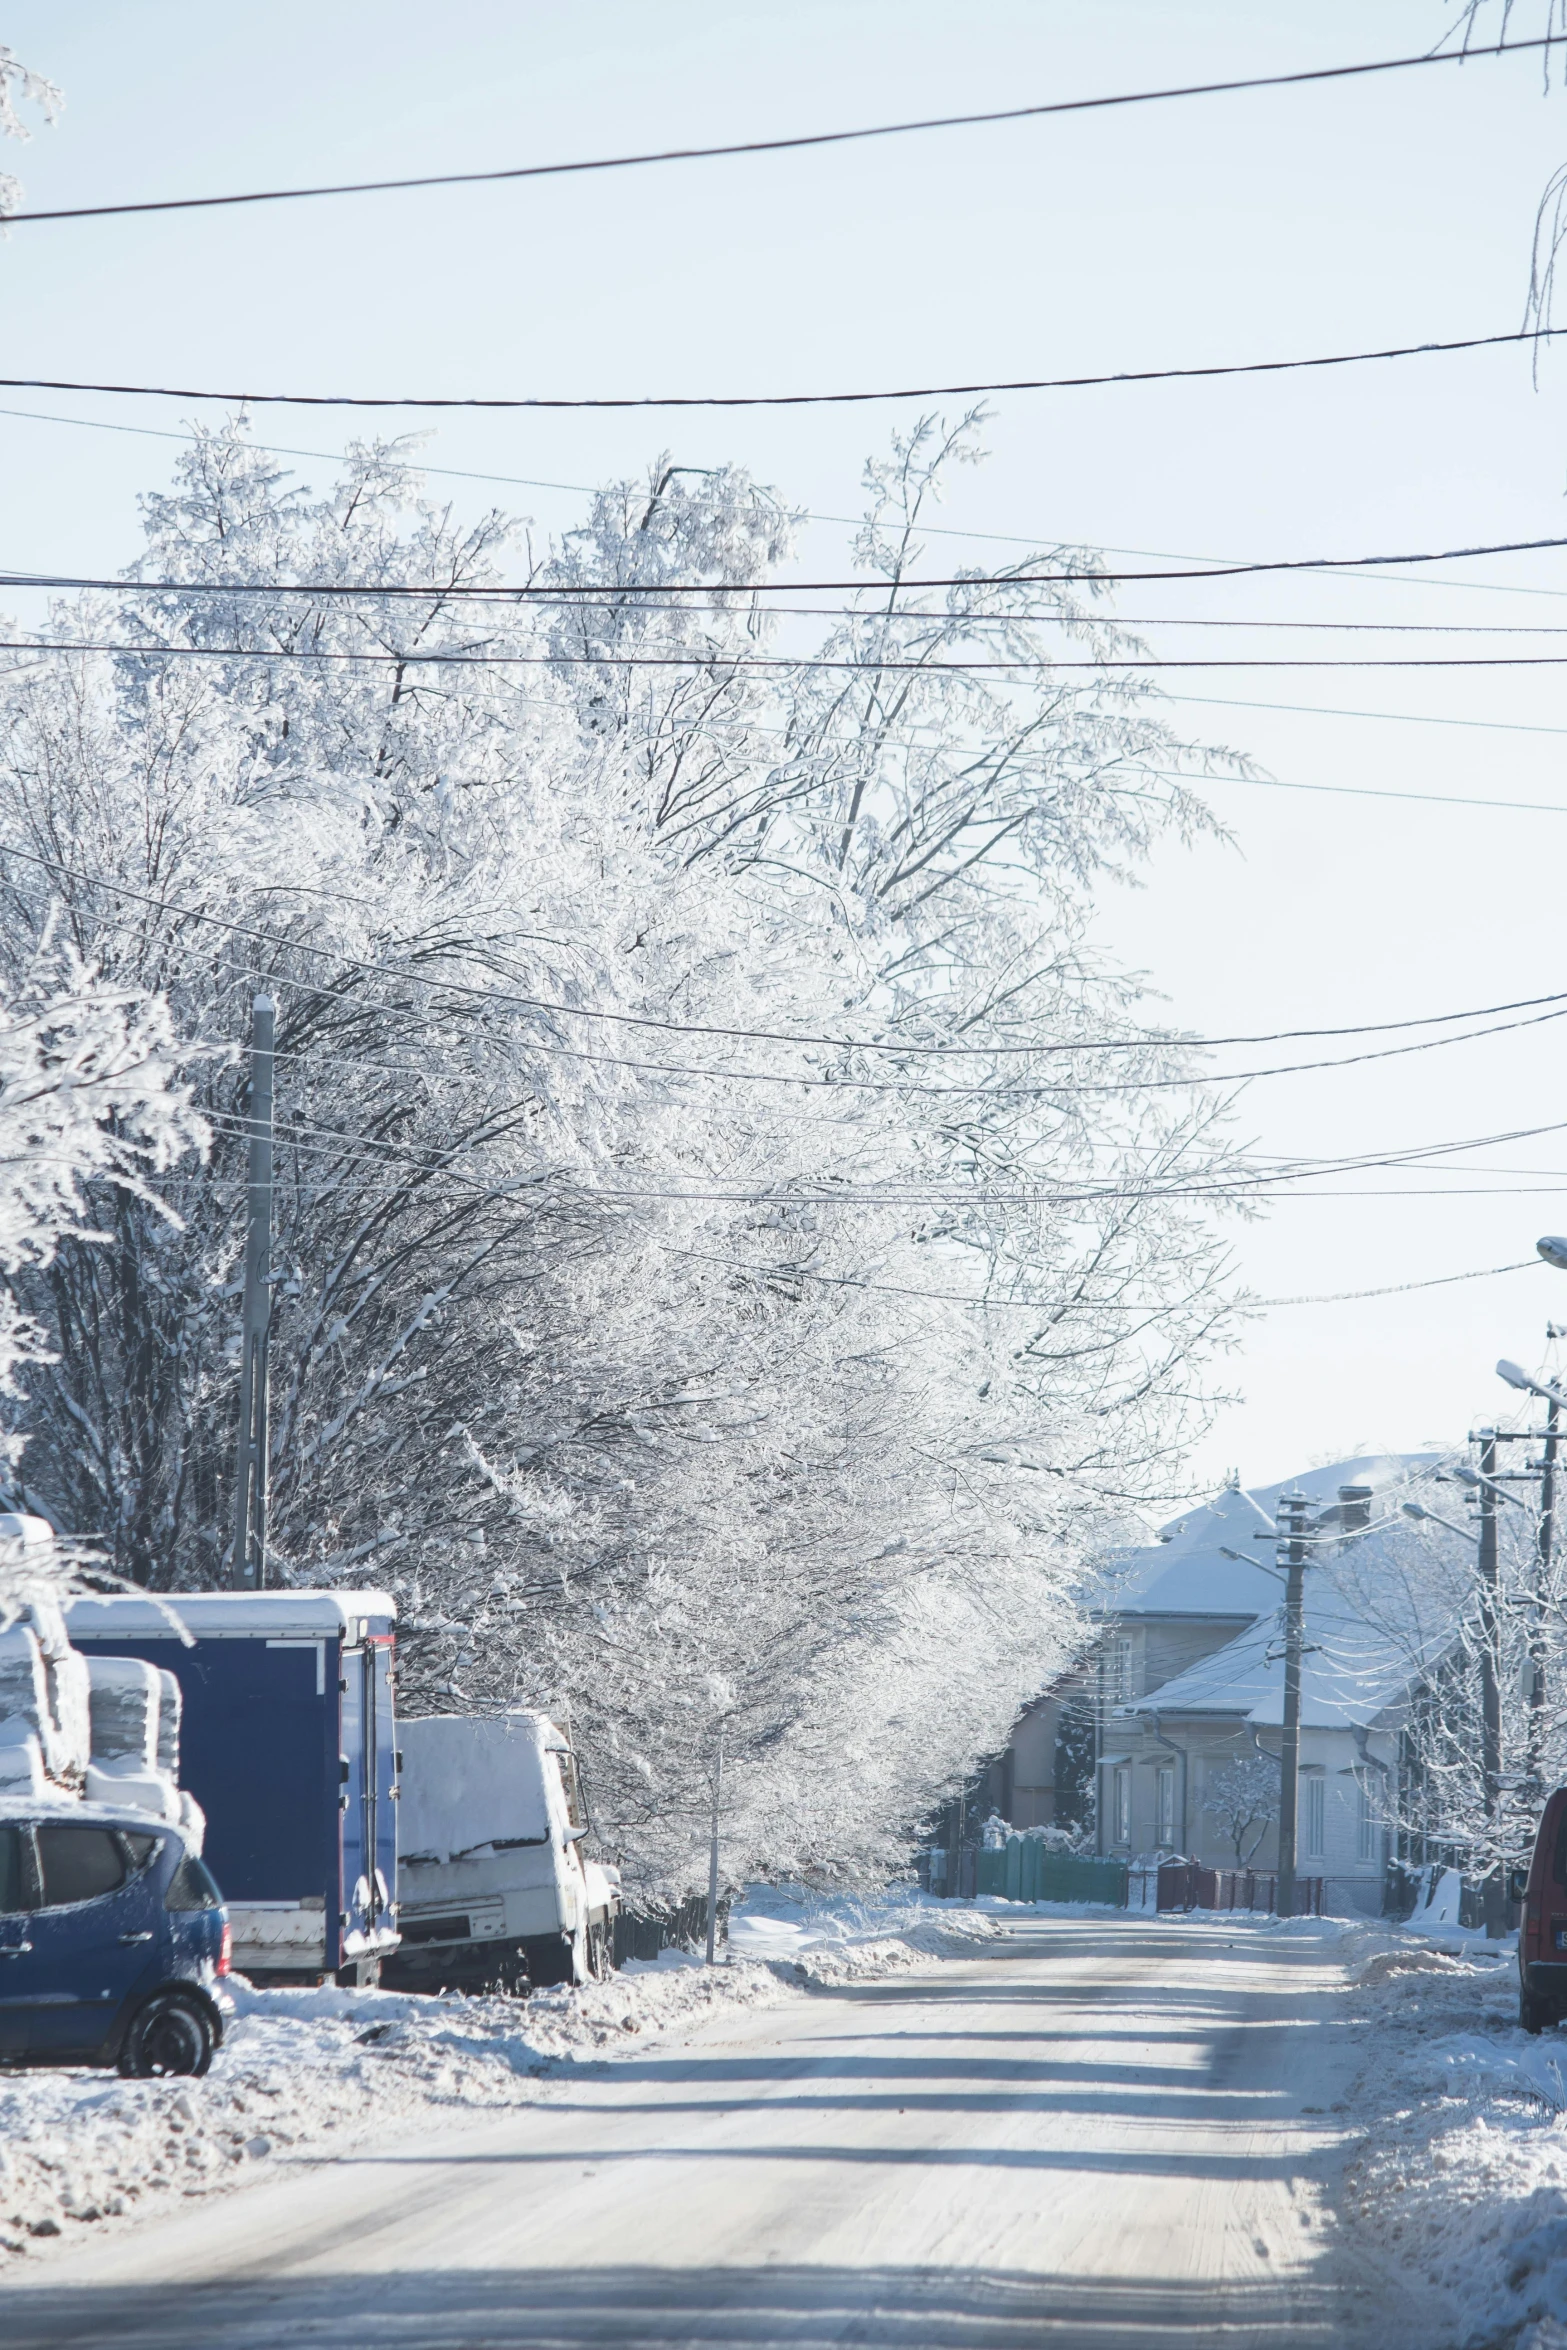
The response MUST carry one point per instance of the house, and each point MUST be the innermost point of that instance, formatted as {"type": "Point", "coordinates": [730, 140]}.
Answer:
{"type": "Point", "coordinates": [1179, 1702]}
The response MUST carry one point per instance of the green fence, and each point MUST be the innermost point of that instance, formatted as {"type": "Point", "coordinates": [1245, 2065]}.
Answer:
{"type": "Point", "coordinates": [1025, 1869]}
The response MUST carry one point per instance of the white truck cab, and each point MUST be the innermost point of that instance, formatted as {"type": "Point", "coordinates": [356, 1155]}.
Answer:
{"type": "Point", "coordinates": [494, 1890]}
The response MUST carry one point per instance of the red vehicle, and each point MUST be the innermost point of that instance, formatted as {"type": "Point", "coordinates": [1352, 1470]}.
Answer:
{"type": "Point", "coordinates": [1542, 1933]}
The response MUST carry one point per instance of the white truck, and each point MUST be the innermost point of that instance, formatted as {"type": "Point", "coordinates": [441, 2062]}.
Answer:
{"type": "Point", "coordinates": [494, 1889]}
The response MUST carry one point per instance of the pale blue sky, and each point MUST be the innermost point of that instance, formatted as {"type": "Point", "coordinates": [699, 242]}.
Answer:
{"type": "Point", "coordinates": [1387, 210]}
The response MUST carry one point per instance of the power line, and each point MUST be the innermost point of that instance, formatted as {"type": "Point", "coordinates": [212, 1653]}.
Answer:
{"type": "Point", "coordinates": [405, 974]}
{"type": "Point", "coordinates": [1341, 1297]}
{"type": "Point", "coordinates": [597, 597]}
{"type": "Point", "coordinates": [859, 398]}
{"type": "Point", "coordinates": [849, 521]}
{"type": "Point", "coordinates": [1365, 791]}
{"type": "Point", "coordinates": [884, 130]}
{"type": "Point", "coordinates": [1018, 575]}
{"type": "Point", "coordinates": [875, 663]}
{"type": "Point", "coordinates": [1390, 717]}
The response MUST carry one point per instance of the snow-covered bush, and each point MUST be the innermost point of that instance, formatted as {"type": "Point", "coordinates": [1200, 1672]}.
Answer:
{"type": "Point", "coordinates": [731, 1227]}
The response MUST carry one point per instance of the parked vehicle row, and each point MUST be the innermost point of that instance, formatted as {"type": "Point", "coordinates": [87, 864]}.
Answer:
{"type": "Point", "coordinates": [153, 1750]}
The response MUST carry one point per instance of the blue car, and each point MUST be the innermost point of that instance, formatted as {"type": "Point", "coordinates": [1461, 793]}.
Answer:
{"type": "Point", "coordinates": [113, 1942]}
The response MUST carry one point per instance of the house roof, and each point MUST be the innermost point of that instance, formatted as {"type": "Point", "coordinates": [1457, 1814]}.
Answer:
{"type": "Point", "coordinates": [1351, 1675]}
{"type": "Point", "coordinates": [1183, 1573]}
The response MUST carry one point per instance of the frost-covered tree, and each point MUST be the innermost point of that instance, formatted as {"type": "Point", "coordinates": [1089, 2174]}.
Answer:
{"type": "Point", "coordinates": [731, 1228]}
{"type": "Point", "coordinates": [91, 1109]}
{"type": "Point", "coordinates": [1243, 1797]}
{"type": "Point", "coordinates": [1422, 1592]}
{"type": "Point", "coordinates": [18, 81]}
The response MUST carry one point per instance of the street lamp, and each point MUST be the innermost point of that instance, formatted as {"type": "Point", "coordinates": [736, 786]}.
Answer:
{"type": "Point", "coordinates": [1412, 1509]}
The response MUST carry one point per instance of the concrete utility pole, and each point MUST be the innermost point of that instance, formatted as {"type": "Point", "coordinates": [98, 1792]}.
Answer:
{"type": "Point", "coordinates": [1490, 1684]}
{"type": "Point", "coordinates": [1292, 1558]}
{"type": "Point", "coordinates": [249, 1569]}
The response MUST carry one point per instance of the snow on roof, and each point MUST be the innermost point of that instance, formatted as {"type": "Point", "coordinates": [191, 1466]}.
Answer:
{"type": "Point", "coordinates": [1355, 1665]}
{"type": "Point", "coordinates": [1183, 1573]}
{"type": "Point", "coordinates": [228, 1615]}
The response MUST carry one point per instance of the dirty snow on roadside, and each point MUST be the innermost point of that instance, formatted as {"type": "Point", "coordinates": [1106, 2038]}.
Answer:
{"type": "Point", "coordinates": [1461, 2175]}
{"type": "Point", "coordinates": [311, 2071]}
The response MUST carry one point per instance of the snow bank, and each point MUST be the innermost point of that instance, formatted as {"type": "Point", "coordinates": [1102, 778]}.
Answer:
{"type": "Point", "coordinates": [1462, 2175]}
{"type": "Point", "coordinates": [301, 2070]}
{"type": "Point", "coordinates": [791, 1923]}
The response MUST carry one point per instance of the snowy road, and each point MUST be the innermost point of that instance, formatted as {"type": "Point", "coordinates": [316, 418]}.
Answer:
{"type": "Point", "coordinates": [1109, 2133]}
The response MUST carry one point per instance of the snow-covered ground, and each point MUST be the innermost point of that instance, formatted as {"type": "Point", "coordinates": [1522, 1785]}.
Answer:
{"type": "Point", "coordinates": [308, 2069]}
{"type": "Point", "coordinates": [1461, 2174]}
{"type": "Point", "coordinates": [1454, 2121]}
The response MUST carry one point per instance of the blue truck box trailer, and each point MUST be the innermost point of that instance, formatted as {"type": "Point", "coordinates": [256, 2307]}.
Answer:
{"type": "Point", "coordinates": [289, 1745]}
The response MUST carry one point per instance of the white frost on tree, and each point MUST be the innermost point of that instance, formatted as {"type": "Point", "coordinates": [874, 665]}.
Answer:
{"type": "Point", "coordinates": [91, 1108]}
{"type": "Point", "coordinates": [18, 81]}
{"type": "Point", "coordinates": [731, 1223]}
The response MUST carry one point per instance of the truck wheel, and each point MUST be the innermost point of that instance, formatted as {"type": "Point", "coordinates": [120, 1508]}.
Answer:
{"type": "Point", "coordinates": [551, 1960]}
{"type": "Point", "coordinates": [598, 1954]}
{"type": "Point", "coordinates": [171, 2034]}
{"type": "Point", "coordinates": [1534, 2013]}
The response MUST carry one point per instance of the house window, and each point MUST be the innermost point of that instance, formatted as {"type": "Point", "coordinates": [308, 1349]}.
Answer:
{"type": "Point", "coordinates": [1366, 1826]}
{"type": "Point", "coordinates": [1121, 1805]}
{"type": "Point", "coordinates": [1316, 1817]}
{"type": "Point", "coordinates": [1164, 1807]}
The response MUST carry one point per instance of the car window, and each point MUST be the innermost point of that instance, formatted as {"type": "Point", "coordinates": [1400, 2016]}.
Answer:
{"type": "Point", "coordinates": [77, 1863]}
{"type": "Point", "coordinates": [13, 1885]}
{"type": "Point", "coordinates": [191, 1886]}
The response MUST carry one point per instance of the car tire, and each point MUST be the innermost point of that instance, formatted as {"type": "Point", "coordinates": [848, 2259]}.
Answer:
{"type": "Point", "coordinates": [172, 2034]}
{"type": "Point", "coordinates": [598, 1953]}
{"type": "Point", "coordinates": [1534, 2013]}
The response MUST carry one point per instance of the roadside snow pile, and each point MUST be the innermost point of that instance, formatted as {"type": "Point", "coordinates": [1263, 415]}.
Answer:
{"type": "Point", "coordinates": [1464, 2177]}
{"type": "Point", "coordinates": [827, 1939]}
{"type": "Point", "coordinates": [303, 2070]}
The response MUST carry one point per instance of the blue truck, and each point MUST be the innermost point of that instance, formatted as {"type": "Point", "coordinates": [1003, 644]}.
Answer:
{"type": "Point", "coordinates": [289, 1745]}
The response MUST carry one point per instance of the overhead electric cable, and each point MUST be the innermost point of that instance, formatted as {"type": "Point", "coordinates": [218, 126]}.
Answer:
{"type": "Point", "coordinates": [591, 598]}
{"type": "Point", "coordinates": [1367, 791]}
{"type": "Point", "coordinates": [1017, 575]}
{"type": "Point", "coordinates": [1390, 717]}
{"type": "Point", "coordinates": [850, 521]}
{"type": "Point", "coordinates": [883, 130]}
{"type": "Point", "coordinates": [862, 397]}
{"type": "Point", "coordinates": [1342, 1297]}
{"type": "Point", "coordinates": [406, 973]}
{"type": "Point", "coordinates": [1148, 665]}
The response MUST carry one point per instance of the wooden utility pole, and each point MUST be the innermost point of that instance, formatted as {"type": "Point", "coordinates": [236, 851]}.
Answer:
{"type": "Point", "coordinates": [1292, 1558]}
{"type": "Point", "coordinates": [249, 1568]}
